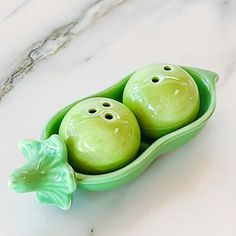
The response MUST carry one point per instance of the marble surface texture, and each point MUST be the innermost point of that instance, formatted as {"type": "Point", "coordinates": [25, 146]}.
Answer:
{"type": "Point", "coordinates": [54, 52]}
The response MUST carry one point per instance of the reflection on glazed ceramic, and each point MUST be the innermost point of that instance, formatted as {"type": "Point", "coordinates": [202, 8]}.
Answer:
{"type": "Point", "coordinates": [46, 171]}
{"type": "Point", "coordinates": [101, 135]}
{"type": "Point", "coordinates": [163, 98]}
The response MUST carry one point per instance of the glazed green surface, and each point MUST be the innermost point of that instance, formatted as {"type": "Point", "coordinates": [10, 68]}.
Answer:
{"type": "Point", "coordinates": [150, 150]}
{"type": "Point", "coordinates": [48, 173]}
{"type": "Point", "coordinates": [101, 135]}
{"type": "Point", "coordinates": [162, 97]}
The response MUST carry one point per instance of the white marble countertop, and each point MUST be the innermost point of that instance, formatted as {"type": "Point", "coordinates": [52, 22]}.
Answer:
{"type": "Point", "coordinates": [54, 52]}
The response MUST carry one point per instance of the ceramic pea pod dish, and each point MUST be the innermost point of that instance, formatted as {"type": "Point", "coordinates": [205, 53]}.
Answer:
{"type": "Point", "coordinates": [108, 139]}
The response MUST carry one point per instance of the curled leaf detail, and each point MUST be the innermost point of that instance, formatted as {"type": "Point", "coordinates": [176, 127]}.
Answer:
{"type": "Point", "coordinates": [46, 172]}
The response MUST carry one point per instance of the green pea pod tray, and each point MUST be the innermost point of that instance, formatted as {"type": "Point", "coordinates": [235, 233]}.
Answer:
{"type": "Point", "coordinates": [48, 173]}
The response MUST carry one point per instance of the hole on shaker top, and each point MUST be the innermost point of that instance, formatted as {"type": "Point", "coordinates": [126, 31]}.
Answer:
{"type": "Point", "coordinates": [92, 110]}
{"type": "Point", "coordinates": [155, 79]}
{"type": "Point", "coordinates": [167, 68]}
{"type": "Point", "coordinates": [106, 104]}
{"type": "Point", "coordinates": [109, 116]}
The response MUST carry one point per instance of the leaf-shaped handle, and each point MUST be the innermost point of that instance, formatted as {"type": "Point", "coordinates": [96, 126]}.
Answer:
{"type": "Point", "coordinates": [46, 171]}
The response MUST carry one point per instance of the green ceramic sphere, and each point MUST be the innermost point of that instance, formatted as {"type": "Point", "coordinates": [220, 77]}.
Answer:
{"type": "Point", "coordinates": [101, 135]}
{"type": "Point", "coordinates": [163, 98]}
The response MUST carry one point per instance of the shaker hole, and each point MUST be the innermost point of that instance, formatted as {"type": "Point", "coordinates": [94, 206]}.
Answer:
{"type": "Point", "coordinates": [167, 68]}
{"type": "Point", "coordinates": [108, 116]}
{"type": "Point", "coordinates": [155, 79]}
{"type": "Point", "coordinates": [106, 104]}
{"type": "Point", "coordinates": [92, 110]}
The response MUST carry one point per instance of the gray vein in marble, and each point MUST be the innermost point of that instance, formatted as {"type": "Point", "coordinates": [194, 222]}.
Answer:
{"type": "Point", "coordinates": [13, 12]}
{"type": "Point", "coordinates": [58, 40]}
{"type": "Point", "coordinates": [225, 2]}
{"type": "Point", "coordinates": [229, 71]}
{"type": "Point", "coordinates": [226, 7]}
